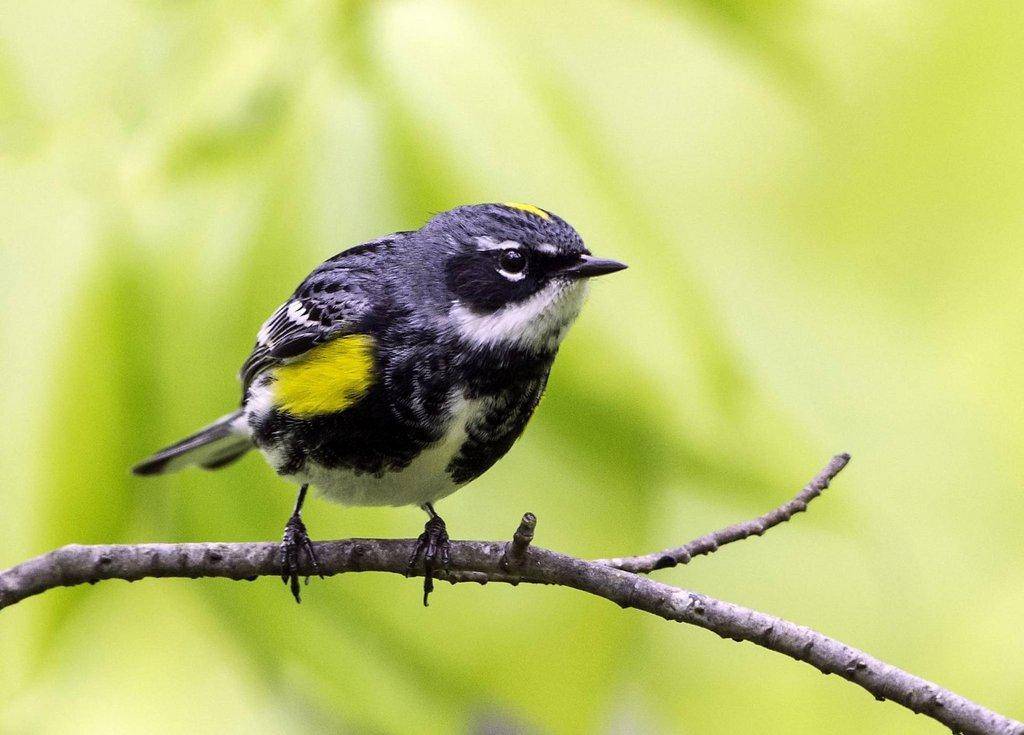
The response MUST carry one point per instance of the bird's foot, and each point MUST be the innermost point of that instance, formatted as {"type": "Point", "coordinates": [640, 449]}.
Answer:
{"type": "Point", "coordinates": [433, 548]}
{"type": "Point", "coordinates": [296, 539]}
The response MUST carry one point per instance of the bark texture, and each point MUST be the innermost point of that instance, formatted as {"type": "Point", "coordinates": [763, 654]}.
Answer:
{"type": "Point", "coordinates": [618, 580]}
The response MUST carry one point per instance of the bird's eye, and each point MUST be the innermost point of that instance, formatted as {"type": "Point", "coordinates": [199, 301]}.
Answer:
{"type": "Point", "coordinates": [512, 261]}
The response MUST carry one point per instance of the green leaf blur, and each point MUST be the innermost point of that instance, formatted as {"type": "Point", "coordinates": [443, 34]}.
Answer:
{"type": "Point", "coordinates": [821, 205]}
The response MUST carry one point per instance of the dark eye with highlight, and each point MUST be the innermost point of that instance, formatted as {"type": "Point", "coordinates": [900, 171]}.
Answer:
{"type": "Point", "coordinates": [512, 261]}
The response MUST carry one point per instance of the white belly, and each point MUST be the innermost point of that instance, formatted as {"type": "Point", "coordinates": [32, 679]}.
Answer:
{"type": "Point", "coordinates": [424, 480]}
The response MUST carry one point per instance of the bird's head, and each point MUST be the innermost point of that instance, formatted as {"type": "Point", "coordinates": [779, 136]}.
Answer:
{"type": "Point", "coordinates": [515, 274]}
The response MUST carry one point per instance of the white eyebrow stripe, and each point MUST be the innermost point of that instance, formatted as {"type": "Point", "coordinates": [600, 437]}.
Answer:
{"type": "Point", "coordinates": [485, 242]}
{"type": "Point", "coordinates": [546, 248]}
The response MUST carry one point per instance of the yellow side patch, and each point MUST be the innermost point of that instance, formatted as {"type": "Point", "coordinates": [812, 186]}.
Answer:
{"type": "Point", "coordinates": [529, 208]}
{"type": "Point", "coordinates": [327, 379]}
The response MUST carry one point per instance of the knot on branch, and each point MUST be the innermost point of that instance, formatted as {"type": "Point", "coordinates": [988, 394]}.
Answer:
{"type": "Point", "coordinates": [515, 550]}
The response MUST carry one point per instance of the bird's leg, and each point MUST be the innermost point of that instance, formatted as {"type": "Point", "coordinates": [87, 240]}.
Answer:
{"type": "Point", "coordinates": [295, 538]}
{"type": "Point", "coordinates": [434, 548]}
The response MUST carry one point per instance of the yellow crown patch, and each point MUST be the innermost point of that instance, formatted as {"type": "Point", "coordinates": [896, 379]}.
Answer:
{"type": "Point", "coordinates": [529, 208]}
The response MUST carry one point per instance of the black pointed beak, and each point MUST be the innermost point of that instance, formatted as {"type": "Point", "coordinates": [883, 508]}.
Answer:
{"type": "Point", "coordinates": [588, 266]}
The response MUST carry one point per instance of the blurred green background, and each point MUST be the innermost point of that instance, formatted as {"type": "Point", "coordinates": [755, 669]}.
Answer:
{"type": "Point", "coordinates": [822, 206]}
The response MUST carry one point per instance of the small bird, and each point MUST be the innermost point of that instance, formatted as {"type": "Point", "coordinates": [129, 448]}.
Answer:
{"type": "Point", "coordinates": [403, 368]}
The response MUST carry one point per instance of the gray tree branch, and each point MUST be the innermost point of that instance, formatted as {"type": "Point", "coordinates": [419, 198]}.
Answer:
{"type": "Point", "coordinates": [514, 562]}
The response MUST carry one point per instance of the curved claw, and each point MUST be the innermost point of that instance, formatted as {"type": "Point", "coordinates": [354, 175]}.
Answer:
{"type": "Point", "coordinates": [296, 538]}
{"type": "Point", "coordinates": [432, 547]}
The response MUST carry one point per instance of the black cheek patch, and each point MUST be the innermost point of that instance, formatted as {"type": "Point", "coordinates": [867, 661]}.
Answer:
{"type": "Point", "coordinates": [475, 282]}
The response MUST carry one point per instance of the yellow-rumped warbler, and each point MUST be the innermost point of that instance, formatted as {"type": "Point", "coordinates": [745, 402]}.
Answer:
{"type": "Point", "coordinates": [403, 368]}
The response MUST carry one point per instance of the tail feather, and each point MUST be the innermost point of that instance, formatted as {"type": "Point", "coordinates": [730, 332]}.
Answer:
{"type": "Point", "coordinates": [219, 444]}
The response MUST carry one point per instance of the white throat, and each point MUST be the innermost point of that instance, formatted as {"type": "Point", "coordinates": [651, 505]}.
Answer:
{"type": "Point", "coordinates": [539, 322]}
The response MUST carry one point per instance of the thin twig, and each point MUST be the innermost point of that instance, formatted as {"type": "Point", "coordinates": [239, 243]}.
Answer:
{"type": "Point", "coordinates": [481, 561]}
{"type": "Point", "coordinates": [711, 542]}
